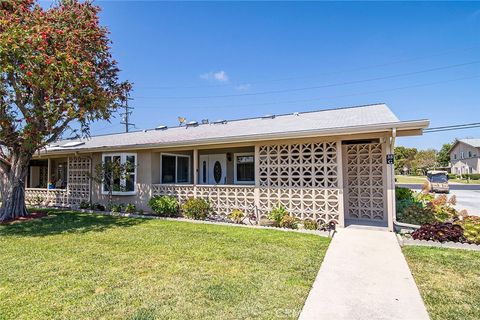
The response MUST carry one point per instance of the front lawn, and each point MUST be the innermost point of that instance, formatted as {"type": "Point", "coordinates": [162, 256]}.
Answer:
{"type": "Point", "coordinates": [76, 266]}
{"type": "Point", "coordinates": [410, 179]}
{"type": "Point", "coordinates": [448, 279]}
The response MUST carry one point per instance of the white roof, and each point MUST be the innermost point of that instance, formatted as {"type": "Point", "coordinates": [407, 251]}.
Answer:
{"type": "Point", "coordinates": [377, 117]}
{"type": "Point", "coordinates": [473, 142]}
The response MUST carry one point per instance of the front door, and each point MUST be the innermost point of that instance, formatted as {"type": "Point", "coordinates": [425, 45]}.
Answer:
{"type": "Point", "coordinates": [213, 169]}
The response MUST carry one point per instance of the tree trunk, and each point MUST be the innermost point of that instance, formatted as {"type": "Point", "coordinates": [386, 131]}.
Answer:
{"type": "Point", "coordinates": [13, 187]}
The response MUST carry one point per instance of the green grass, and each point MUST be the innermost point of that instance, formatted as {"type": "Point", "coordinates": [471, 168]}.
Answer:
{"type": "Point", "coordinates": [448, 279]}
{"type": "Point", "coordinates": [465, 181]}
{"type": "Point", "coordinates": [422, 179]}
{"type": "Point", "coordinates": [79, 266]}
{"type": "Point", "coordinates": [410, 179]}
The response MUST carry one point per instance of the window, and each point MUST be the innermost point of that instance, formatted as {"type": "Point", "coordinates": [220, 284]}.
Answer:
{"type": "Point", "coordinates": [244, 168]}
{"type": "Point", "coordinates": [125, 183]}
{"type": "Point", "coordinates": [469, 154]}
{"type": "Point", "coordinates": [174, 168]}
{"type": "Point", "coordinates": [455, 156]}
{"type": "Point", "coordinates": [462, 155]}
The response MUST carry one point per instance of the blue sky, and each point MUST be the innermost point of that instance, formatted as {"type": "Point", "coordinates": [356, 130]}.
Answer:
{"type": "Point", "coordinates": [220, 60]}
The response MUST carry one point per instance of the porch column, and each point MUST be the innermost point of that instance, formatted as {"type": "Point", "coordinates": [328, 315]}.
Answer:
{"type": "Point", "coordinates": [49, 171]}
{"type": "Point", "coordinates": [390, 174]}
{"type": "Point", "coordinates": [195, 171]}
{"type": "Point", "coordinates": [256, 191]}
{"type": "Point", "coordinates": [341, 198]}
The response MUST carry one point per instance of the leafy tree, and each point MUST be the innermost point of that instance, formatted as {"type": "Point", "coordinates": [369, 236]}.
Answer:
{"type": "Point", "coordinates": [404, 157]}
{"type": "Point", "coordinates": [443, 156]}
{"type": "Point", "coordinates": [108, 175]}
{"type": "Point", "coordinates": [425, 160]}
{"type": "Point", "coordinates": [55, 69]}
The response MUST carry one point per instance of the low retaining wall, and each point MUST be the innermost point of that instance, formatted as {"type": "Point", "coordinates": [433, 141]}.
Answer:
{"type": "Point", "coordinates": [424, 243]}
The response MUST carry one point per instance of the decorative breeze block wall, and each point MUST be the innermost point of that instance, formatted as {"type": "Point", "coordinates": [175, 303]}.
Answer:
{"type": "Point", "coordinates": [364, 176]}
{"type": "Point", "coordinates": [302, 177]}
{"type": "Point", "coordinates": [78, 180]}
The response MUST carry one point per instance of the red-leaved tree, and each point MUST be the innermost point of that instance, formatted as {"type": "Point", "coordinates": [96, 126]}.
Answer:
{"type": "Point", "coordinates": [55, 69]}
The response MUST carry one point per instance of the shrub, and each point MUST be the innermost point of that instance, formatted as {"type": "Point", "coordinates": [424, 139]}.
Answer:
{"type": "Point", "coordinates": [403, 194]}
{"type": "Point", "coordinates": [452, 176]}
{"type": "Point", "coordinates": [310, 224]}
{"type": "Point", "coordinates": [415, 213]}
{"type": "Point", "coordinates": [84, 205]}
{"type": "Point", "coordinates": [472, 176]}
{"type": "Point", "coordinates": [140, 211]}
{"type": "Point", "coordinates": [165, 206]}
{"type": "Point", "coordinates": [289, 222]}
{"type": "Point", "coordinates": [327, 226]}
{"type": "Point", "coordinates": [130, 208]}
{"type": "Point", "coordinates": [471, 228]}
{"type": "Point", "coordinates": [97, 206]}
{"type": "Point", "coordinates": [116, 207]}
{"type": "Point", "coordinates": [196, 208]}
{"type": "Point", "coordinates": [442, 208]}
{"type": "Point", "coordinates": [277, 214]}
{"type": "Point", "coordinates": [439, 231]}
{"type": "Point", "coordinates": [423, 208]}
{"type": "Point", "coordinates": [236, 215]}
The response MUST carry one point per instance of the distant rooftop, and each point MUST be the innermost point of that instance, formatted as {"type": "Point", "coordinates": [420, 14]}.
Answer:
{"type": "Point", "coordinates": [473, 142]}
{"type": "Point", "coordinates": [296, 124]}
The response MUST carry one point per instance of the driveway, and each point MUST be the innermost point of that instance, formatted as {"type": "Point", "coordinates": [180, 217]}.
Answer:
{"type": "Point", "coordinates": [468, 196]}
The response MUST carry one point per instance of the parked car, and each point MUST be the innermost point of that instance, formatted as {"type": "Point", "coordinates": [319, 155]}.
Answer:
{"type": "Point", "coordinates": [438, 181]}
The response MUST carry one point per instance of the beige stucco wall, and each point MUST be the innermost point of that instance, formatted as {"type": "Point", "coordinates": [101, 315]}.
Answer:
{"type": "Point", "coordinates": [144, 181]}
{"type": "Point", "coordinates": [460, 165]}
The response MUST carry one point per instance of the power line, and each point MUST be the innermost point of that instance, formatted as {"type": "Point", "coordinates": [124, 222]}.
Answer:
{"type": "Point", "coordinates": [319, 86]}
{"type": "Point", "coordinates": [453, 127]}
{"type": "Point", "coordinates": [333, 97]}
{"type": "Point", "coordinates": [313, 76]}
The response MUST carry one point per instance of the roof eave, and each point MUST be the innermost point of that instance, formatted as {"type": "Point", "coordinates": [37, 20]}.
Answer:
{"type": "Point", "coordinates": [384, 127]}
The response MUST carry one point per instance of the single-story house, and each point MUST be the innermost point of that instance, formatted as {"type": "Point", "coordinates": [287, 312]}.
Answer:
{"type": "Point", "coordinates": [465, 156]}
{"type": "Point", "coordinates": [332, 165]}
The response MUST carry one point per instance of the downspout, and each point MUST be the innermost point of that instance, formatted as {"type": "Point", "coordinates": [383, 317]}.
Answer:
{"type": "Point", "coordinates": [395, 222]}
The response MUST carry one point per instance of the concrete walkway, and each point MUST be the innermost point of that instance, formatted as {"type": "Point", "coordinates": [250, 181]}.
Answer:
{"type": "Point", "coordinates": [364, 276]}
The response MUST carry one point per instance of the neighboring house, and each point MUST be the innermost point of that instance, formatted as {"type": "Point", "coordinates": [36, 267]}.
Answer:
{"type": "Point", "coordinates": [465, 156]}
{"type": "Point", "coordinates": [328, 165]}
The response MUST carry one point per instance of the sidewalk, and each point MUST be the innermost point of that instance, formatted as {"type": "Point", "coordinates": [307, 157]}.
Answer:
{"type": "Point", "coordinates": [364, 276]}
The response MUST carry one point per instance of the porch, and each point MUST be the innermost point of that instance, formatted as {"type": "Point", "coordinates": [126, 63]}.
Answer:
{"type": "Point", "coordinates": [323, 180]}
{"type": "Point", "coordinates": [58, 182]}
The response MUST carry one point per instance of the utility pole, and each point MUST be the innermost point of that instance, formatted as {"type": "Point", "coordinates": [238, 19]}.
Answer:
{"type": "Point", "coordinates": [126, 115]}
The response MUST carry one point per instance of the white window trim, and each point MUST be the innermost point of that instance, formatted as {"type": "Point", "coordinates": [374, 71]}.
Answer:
{"type": "Point", "coordinates": [235, 155]}
{"type": "Point", "coordinates": [176, 166]}
{"type": "Point", "coordinates": [123, 158]}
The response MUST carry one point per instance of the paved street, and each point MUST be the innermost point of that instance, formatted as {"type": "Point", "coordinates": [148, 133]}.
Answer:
{"type": "Point", "coordinates": [468, 196]}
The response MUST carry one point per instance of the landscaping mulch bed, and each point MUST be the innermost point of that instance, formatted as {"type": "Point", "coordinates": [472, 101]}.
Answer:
{"type": "Point", "coordinates": [31, 216]}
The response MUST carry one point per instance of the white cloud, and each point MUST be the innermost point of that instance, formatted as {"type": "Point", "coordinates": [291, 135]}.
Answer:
{"type": "Point", "coordinates": [243, 87]}
{"type": "Point", "coordinates": [220, 76]}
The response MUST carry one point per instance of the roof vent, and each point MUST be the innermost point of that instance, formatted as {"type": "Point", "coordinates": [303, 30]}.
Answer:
{"type": "Point", "coordinates": [268, 116]}
{"type": "Point", "coordinates": [296, 114]}
{"type": "Point", "coordinates": [192, 124]}
{"type": "Point", "coordinates": [161, 128]}
{"type": "Point", "coordinates": [220, 122]}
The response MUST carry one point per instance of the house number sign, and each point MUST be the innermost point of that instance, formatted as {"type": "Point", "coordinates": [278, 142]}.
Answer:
{"type": "Point", "coordinates": [390, 158]}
